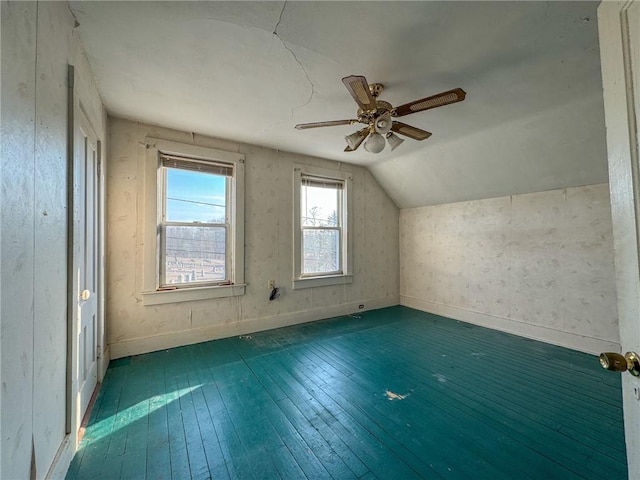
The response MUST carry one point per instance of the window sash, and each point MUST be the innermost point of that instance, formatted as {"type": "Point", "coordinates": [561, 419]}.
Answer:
{"type": "Point", "coordinates": [194, 165]}
{"type": "Point", "coordinates": [163, 283]}
{"type": "Point", "coordinates": [228, 193]}
{"type": "Point", "coordinates": [340, 269]}
{"type": "Point", "coordinates": [322, 182]}
{"type": "Point", "coordinates": [205, 167]}
{"type": "Point", "coordinates": [322, 228]}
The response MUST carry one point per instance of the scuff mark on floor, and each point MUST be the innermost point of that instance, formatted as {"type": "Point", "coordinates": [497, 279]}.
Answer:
{"type": "Point", "coordinates": [441, 378]}
{"type": "Point", "coordinates": [394, 396]}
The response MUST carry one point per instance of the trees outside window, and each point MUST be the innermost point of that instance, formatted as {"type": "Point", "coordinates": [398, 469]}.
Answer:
{"type": "Point", "coordinates": [322, 238]}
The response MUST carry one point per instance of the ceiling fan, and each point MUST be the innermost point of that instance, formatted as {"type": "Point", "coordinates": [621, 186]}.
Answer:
{"type": "Point", "coordinates": [377, 115]}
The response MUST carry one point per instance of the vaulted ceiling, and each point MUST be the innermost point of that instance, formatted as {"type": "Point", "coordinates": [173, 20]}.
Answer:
{"type": "Point", "coordinates": [249, 71]}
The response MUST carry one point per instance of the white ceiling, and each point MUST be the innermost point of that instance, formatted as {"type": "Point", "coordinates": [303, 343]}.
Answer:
{"type": "Point", "coordinates": [249, 71]}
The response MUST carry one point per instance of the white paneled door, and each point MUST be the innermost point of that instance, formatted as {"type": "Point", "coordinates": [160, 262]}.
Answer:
{"type": "Point", "coordinates": [619, 28]}
{"type": "Point", "coordinates": [87, 255]}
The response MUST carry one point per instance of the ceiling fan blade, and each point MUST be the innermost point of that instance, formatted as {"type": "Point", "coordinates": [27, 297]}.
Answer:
{"type": "Point", "coordinates": [409, 131]}
{"type": "Point", "coordinates": [439, 100]}
{"type": "Point", "coordinates": [359, 90]}
{"type": "Point", "coordinates": [332, 123]}
{"type": "Point", "coordinates": [361, 134]}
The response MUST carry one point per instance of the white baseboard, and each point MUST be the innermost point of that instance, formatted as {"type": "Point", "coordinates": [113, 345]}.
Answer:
{"type": "Point", "coordinates": [66, 451]}
{"type": "Point", "coordinates": [138, 346]}
{"type": "Point", "coordinates": [535, 332]}
{"type": "Point", "coordinates": [104, 363]}
{"type": "Point", "coordinates": [62, 460]}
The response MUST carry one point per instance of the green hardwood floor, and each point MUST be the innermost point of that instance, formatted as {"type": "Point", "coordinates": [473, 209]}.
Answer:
{"type": "Point", "coordinates": [394, 394]}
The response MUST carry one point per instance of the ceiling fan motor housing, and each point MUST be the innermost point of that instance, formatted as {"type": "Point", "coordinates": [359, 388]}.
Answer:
{"type": "Point", "coordinates": [368, 116]}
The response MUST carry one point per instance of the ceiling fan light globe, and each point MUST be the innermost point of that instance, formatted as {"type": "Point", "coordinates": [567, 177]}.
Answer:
{"type": "Point", "coordinates": [375, 143]}
{"type": "Point", "coordinates": [383, 124]}
{"type": "Point", "coordinates": [394, 141]}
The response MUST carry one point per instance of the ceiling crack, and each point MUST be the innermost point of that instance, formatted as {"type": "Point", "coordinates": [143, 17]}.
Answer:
{"type": "Point", "coordinates": [304, 70]}
{"type": "Point", "coordinates": [275, 30]}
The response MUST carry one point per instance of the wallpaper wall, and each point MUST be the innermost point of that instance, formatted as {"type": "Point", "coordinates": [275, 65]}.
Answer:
{"type": "Point", "coordinates": [135, 328]}
{"type": "Point", "coordinates": [39, 40]}
{"type": "Point", "coordinates": [539, 265]}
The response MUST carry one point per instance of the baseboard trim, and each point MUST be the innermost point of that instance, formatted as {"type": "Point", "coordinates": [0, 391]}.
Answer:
{"type": "Point", "coordinates": [103, 364]}
{"type": "Point", "coordinates": [138, 346]}
{"type": "Point", "coordinates": [62, 461]}
{"type": "Point", "coordinates": [570, 340]}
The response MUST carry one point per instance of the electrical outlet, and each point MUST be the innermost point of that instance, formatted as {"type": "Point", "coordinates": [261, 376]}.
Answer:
{"type": "Point", "coordinates": [271, 284]}
{"type": "Point", "coordinates": [361, 306]}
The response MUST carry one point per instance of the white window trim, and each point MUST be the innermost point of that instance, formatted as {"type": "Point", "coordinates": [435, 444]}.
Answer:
{"type": "Point", "coordinates": [152, 206]}
{"type": "Point", "coordinates": [308, 281]}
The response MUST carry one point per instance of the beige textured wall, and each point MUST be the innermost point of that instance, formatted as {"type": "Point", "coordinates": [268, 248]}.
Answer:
{"type": "Point", "coordinates": [134, 328]}
{"type": "Point", "coordinates": [539, 265]}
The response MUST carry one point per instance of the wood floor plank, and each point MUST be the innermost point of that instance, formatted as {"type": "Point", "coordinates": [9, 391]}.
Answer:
{"type": "Point", "coordinates": [350, 350]}
{"type": "Point", "coordinates": [326, 444]}
{"type": "Point", "coordinates": [208, 434]}
{"type": "Point", "coordinates": [289, 437]}
{"type": "Point", "coordinates": [240, 393]}
{"type": "Point", "coordinates": [431, 443]}
{"type": "Point", "coordinates": [177, 440]}
{"type": "Point", "coordinates": [228, 441]}
{"type": "Point", "coordinates": [158, 462]}
{"type": "Point", "coordinates": [285, 463]}
{"type": "Point", "coordinates": [366, 391]}
{"type": "Point", "coordinates": [332, 413]}
{"type": "Point", "coordinates": [198, 466]}
{"type": "Point", "coordinates": [435, 351]}
{"type": "Point", "coordinates": [554, 406]}
{"type": "Point", "coordinates": [342, 413]}
{"type": "Point", "coordinates": [321, 419]}
{"type": "Point", "coordinates": [503, 374]}
{"type": "Point", "coordinates": [389, 393]}
{"type": "Point", "coordinates": [110, 469]}
{"type": "Point", "coordinates": [527, 399]}
{"type": "Point", "coordinates": [565, 361]}
{"type": "Point", "coordinates": [322, 449]}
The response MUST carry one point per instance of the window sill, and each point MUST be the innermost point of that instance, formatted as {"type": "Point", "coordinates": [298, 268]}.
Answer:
{"type": "Point", "coordinates": [160, 297]}
{"type": "Point", "coordinates": [311, 282]}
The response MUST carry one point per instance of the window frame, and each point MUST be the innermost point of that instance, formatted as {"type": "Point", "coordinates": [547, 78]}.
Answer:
{"type": "Point", "coordinates": [163, 223]}
{"type": "Point", "coordinates": [153, 292]}
{"type": "Point", "coordinates": [345, 275]}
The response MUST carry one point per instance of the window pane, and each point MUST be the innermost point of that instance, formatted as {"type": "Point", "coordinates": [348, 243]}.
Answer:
{"type": "Point", "coordinates": [321, 251]}
{"type": "Point", "coordinates": [195, 197]}
{"type": "Point", "coordinates": [194, 254]}
{"type": "Point", "coordinates": [319, 206]}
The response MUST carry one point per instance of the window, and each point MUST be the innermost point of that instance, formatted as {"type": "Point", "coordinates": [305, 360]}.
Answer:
{"type": "Point", "coordinates": [322, 225]}
{"type": "Point", "coordinates": [195, 222]}
{"type": "Point", "coordinates": [194, 238]}
{"type": "Point", "coordinates": [322, 241]}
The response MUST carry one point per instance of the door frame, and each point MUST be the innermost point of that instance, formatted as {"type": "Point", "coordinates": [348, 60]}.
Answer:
{"type": "Point", "coordinates": [75, 110]}
{"type": "Point", "coordinates": [618, 27]}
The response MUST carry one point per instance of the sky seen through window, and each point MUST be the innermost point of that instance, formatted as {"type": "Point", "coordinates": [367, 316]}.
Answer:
{"type": "Point", "coordinates": [195, 196]}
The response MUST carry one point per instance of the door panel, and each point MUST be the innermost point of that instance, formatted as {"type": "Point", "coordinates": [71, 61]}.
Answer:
{"type": "Point", "coordinates": [619, 29]}
{"type": "Point", "coordinates": [86, 164]}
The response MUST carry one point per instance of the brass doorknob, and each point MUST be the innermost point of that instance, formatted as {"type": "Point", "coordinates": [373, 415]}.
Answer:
{"type": "Point", "coordinates": [619, 363]}
{"type": "Point", "coordinates": [85, 295]}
